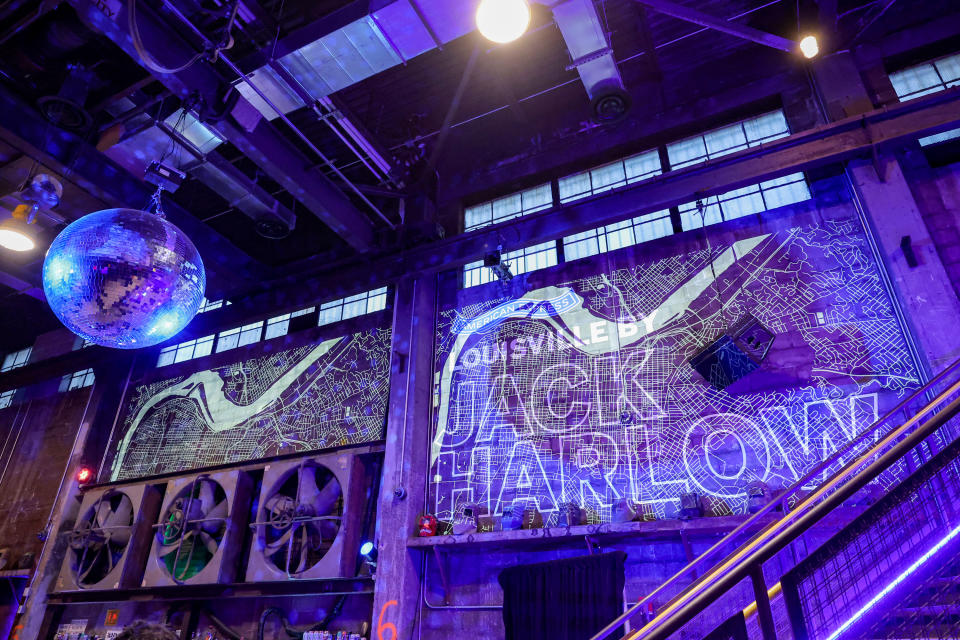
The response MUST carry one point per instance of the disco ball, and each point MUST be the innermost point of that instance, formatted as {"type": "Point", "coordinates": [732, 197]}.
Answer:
{"type": "Point", "coordinates": [123, 278]}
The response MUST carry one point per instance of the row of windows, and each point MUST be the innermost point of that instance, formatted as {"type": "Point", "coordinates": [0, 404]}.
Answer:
{"type": "Point", "coordinates": [726, 206]}
{"type": "Point", "coordinates": [333, 311]}
{"type": "Point", "coordinates": [69, 382]}
{"type": "Point", "coordinates": [508, 207]}
{"type": "Point", "coordinates": [353, 306]}
{"type": "Point", "coordinates": [727, 139]}
{"type": "Point", "coordinates": [693, 150]}
{"type": "Point", "coordinates": [635, 168]}
{"type": "Point", "coordinates": [16, 359]}
{"type": "Point", "coordinates": [923, 79]}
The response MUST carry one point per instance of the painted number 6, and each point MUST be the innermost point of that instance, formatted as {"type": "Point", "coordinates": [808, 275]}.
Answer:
{"type": "Point", "coordinates": [389, 626]}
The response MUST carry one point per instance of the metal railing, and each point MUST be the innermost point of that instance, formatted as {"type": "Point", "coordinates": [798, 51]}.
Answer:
{"type": "Point", "coordinates": [873, 452]}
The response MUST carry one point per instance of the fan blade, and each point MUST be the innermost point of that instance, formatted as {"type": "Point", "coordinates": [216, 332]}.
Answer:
{"type": "Point", "coordinates": [122, 516]}
{"type": "Point", "coordinates": [91, 561]}
{"type": "Point", "coordinates": [328, 529]}
{"type": "Point", "coordinates": [209, 542]}
{"type": "Point", "coordinates": [304, 547]}
{"type": "Point", "coordinates": [307, 490]}
{"type": "Point", "coordinates": [119, 536]}
{"type": "Point", "coordinates": [170, 547]}
{"type": "Point", "coordinates": [281, 541]}
{"type": "Point", "coordinates": [327, 498]}
{"type": "Point", "coordinates": [206, 495]}
{"type": "Point", "coordinates": [103, 513]}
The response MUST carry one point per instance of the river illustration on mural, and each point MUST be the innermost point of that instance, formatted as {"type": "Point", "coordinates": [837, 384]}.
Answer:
{"type": "Point", "coordinates": [316, 396]}
{"type": "Point", "coordinates": [581, 391]}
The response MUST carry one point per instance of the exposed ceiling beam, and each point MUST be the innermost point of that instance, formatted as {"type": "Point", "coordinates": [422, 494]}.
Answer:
{"type": "Point", "coordinates": [18, 279]}
{"type": "Point", "coordinates": [66, 153]}
{"type": "Point", "coordinates": [719, 24]}
{"type": "Point", "coordinates": [243, 126]}
{"type": "Point", "coordinates": [836, 142]}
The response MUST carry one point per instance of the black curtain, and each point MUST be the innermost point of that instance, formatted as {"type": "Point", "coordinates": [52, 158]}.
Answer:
{"type": "Point", "coordinates": [568, 599]}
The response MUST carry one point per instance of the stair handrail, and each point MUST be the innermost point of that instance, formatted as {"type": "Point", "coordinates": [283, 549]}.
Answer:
{"type": "Point", "coordinates": [706, 583]}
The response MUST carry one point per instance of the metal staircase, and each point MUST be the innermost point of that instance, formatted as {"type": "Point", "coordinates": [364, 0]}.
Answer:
{"type": "Point", "coordinates": [890, 572]}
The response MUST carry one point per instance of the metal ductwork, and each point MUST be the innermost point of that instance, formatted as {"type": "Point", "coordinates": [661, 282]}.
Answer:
{"type": "Point", "coordinates": [592, 55]}
{"type": "Point", "coordinates": [399, 31]}
{"type": "Point", "coordinates": [152, 140]}
{"type": "Point", "coordinates": [388, 36]}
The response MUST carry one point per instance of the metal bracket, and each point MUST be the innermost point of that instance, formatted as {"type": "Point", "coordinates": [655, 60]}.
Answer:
{"type": "Point", "coordinates": [590, 57]}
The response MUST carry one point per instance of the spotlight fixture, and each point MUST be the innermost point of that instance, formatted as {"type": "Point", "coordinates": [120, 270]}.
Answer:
{"type": "Point", "coordinates": [500, 269]}
{"type": "Point", "coordinates": [84, 475]}
{"type": "Point", "coordinates": [15, 232]}
{"type": "Point", "coordinates": [503, 21]}
{"type": "Point", "coordinates": [369, 554]}
{"type": "Point", "coordinates": [42, 193]}
{"type": "Point", "coordinates": [809, 46]}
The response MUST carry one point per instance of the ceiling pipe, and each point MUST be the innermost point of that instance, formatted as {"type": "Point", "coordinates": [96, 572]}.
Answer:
{"type": "Point", "coordinates": [304, 95]}
{"type": "Point", "coordinates": [296, 130]}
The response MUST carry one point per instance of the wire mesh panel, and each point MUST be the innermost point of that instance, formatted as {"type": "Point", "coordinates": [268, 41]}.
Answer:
{"type": "Point", "coordinates": [878, 577]}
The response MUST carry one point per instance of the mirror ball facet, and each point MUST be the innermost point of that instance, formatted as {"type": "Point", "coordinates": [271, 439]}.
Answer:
{"type": "Point", "coordinates": [123, 278]}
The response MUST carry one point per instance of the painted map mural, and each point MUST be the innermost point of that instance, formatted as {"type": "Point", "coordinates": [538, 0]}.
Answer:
{"type": "Point", "coordinates": [580, 389]}
{"type": "Point", "coordinates": [311, 397]}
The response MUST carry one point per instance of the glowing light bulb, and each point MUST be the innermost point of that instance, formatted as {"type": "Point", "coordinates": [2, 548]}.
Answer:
{"type": "Point", "coordinates": [809, 46]}
{"type": "Point", "coordinates": [16, 235]}
{"type": "Point", "coordinates": [503, 20]}
{"type": "Point", "coordinates": [84, 475]}
{"type": "Point", "coordinates": [15, 241]}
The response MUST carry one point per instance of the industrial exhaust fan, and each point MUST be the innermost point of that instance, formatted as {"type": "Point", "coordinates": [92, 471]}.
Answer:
{"type": "Point", "coordinates": [200, 531]}
{"type": "Point", "coordinates": [301, 532]}
{"type": "Point", "coordinates": [108, 545]}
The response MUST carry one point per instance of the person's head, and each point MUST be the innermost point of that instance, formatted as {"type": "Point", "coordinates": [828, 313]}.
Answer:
{"type": "Point", "coordinates": [143, 630]}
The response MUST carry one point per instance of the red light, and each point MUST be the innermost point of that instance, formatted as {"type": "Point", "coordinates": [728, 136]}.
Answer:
{"type": "Point", "coordinates": [84, 475]}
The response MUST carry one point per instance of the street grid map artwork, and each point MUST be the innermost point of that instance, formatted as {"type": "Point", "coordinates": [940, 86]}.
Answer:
{"type": "Point", "coordinates": [580, 391]}
{"type": "Point", "coordinates": [311, 397]}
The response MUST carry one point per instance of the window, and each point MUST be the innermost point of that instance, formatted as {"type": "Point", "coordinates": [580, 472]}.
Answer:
{"type": "Point", "coordinates": [926, 78]}
{"type": "Point", "coordinates": [6, 398]}
{"type": "Point", "coordinates": [746, 201]}
{"type": "Point", "coordinates": [16, 359]}
{"type": "Point", "coordinates": [280, 325]}
{"type": "Point", "coordinates": [353, 306]}
{"type": "Point", "coordinates": [77, 380]}
{"type": "Point", "coordinates": [614, 236]}
{"type": "Point", "coordinates": [239, 337]}
{"type": "Point", "coordinates": [210, 305]}
{"type": "Point", "coordinates": [185, 351]}
{"type": "Point", "coordinates": [610, 176]}
{"type": "Point", "coordinates": [725, 140]}
{"type": "Point", "coordinates": [539, 256]}
{"type": "Point", "coordinates": [511, 206]}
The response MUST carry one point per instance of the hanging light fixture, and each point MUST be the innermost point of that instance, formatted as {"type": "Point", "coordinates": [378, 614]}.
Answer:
{"type": "Point", "coordinates": [503, 20]}
{"type": "Point", "coordinates": [809, 46]}
{"type": "Point", "coordinates": [16, 233]}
